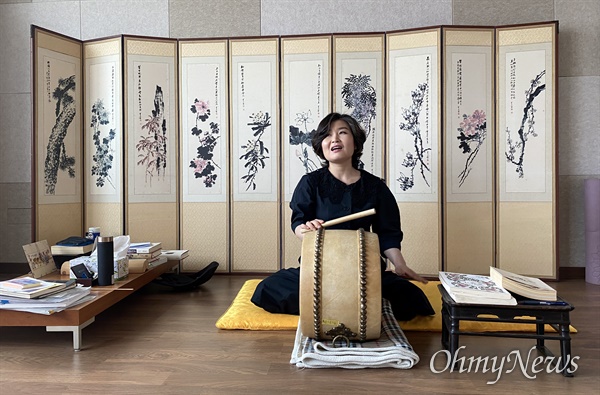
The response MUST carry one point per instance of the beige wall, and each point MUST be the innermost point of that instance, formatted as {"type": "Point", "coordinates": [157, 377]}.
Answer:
{"type": "Point", "coordinates": [579, 72]}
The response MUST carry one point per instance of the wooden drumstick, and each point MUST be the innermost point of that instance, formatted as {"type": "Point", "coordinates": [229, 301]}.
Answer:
{"type": "Point", "coordinates": [345, 218]}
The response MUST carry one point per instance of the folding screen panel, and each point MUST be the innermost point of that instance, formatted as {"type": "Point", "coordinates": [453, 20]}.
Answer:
{"type": "Point", "coordinates": [57, 141]}
{"type": "Point", "coordinates": [204, 143]}
{"type": "Point", "coordinates": [103, 135]}
{"type": "Point", "coordinates": [151, 140]}
{"type": "Point", "coordinates": [255, 236]}
{"type": "Point", "coordinates": [358, 87]}
{"type": "Point", "coordinates": [527, 160]}
{"type": "Point", "coordinates": [306, 100]}
{"type": "Point", "coordinates": [413, 124]}
{"type": "Point", "coordinates": [468, 150]}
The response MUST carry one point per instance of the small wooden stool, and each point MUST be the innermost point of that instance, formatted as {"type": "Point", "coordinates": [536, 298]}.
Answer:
{"type": "Point", "coordinates": [556, 316]}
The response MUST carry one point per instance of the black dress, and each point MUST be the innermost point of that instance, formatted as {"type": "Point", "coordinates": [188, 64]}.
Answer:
{"type": "Point", "coordinates": [321, 195]}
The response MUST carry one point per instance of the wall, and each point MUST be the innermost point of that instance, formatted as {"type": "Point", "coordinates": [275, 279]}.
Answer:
{"type": "Point", "coordinates": [579, 73]}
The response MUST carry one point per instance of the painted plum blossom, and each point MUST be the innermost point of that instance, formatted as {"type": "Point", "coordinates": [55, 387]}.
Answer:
{"type": "Point", "coordinates": [516, 149]}
{"type": "Point", "coordinates": [471, 134]}
{"type": "Point", "coordinates": [414, 160]}
{"type": "Point", "coordinates": [203, 164]}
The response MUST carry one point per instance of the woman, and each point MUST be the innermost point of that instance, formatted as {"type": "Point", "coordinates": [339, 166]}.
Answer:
{"type": "Point", "coordinates": [336, 190]}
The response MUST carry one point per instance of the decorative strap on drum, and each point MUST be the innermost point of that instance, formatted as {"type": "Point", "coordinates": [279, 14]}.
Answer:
{"type": "Point", "coordinates": [340, 286]}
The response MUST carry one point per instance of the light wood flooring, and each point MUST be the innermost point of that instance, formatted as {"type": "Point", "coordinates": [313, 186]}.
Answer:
{"type": "Point", "coordinates": [161, 342]}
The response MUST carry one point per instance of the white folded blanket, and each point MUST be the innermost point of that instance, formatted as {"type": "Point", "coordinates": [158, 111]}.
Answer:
{"type": "Point", "coordinates": [391, 350]}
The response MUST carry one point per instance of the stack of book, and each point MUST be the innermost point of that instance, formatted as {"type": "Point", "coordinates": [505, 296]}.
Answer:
{"type": "Point", "coordinates": [501, 287]}
{"type": "Point", "coordinates": [42, 297]}
{"type": "Point", "coordinates": [29, 288]}
{"type": "Point", "coordinates": [146, 255]}
{"type": "Point", "coordinates": [73, 246]}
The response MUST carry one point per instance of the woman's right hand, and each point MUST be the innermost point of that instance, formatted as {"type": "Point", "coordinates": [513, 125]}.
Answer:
{"type": "Point", "coordinates": [308, 226]}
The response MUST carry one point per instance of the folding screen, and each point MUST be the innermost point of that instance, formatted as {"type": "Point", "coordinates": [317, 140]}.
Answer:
{"type": "Point", "coordinates": [232, 201]}
{"type": "Point", "coordinates": [255, 237]}
{"type": "Point", "coordinates": [204, 159]}
{"type": "Point", "coordinates": [57, 141]}
{"type": "Point", "coordinates": [358, 86]}
{"type": "Point", "coordinates": [413, 124]}
{"type": "Point", "coordinates": [103, 135]}
{"type": "Point", "coordinates": [151, 196]}
{"type": "Point", "coordinates": [527, 161]}
{"type": "Point", "coordinates": [468, 150]}
{"type": "Point", "coordinates": [306, 100]}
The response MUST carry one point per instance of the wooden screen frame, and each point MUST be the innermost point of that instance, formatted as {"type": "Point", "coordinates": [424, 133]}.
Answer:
{"type": "Point", "coordinates": [468, 56]}
{"type": "Point", "coordinates": [527, 213]}
{"type": "Point", "coordinates": [420, 213]}
{"type": "Point", "coordinates": [205, 217]}
{"type": "Point", "coordinates": [57, 214]}
{"type": "Point", "coordinates": [151, 215]}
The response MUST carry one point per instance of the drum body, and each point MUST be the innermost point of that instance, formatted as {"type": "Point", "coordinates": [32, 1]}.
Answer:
{"type": "Point", "coordinates": [340, 285]}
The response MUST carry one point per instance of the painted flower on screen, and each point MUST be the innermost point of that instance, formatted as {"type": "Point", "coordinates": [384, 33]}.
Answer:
{"type": "Point", "coordinates": [472, 132]}
{"type": "Point", "coordinates": [203, 164]}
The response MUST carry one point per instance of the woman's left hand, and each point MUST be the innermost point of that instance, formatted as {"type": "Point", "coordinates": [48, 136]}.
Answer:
{"type": "Point", "coordinates": [400, 267]}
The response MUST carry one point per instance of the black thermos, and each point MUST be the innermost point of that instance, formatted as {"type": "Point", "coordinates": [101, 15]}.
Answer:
{"type": "Point", "coordinates": [105, 260]}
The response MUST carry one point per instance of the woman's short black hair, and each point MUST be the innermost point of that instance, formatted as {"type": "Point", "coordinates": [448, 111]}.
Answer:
{"type": "Point", "coordinates": [322, 132]}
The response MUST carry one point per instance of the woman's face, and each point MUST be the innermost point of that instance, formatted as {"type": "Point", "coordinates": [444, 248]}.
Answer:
{"type": "Point", "coordinates": [338, 146]}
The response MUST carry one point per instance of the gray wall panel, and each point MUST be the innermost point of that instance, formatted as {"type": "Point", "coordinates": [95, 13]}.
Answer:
{"type": "Point", "coordinates": [579, 37]}
{"type": "Point", "coordinates": [579, 125]}
{"type": "Point", "coordinates": [215, 18]}
{"type": "Point", "coordinates": [109, 17]}
{"type": "Point", "coordinates": [286, 17]}
{"type": "Point", "coordinates": [571, 226]}
{"type": "Point", "coordinates": [15, 221]}
{"type": "Point", "coordinates": [505, 12]}
{"type": "Point", "coordinates": [15, 129]}
{"type": "Point", "coordinates": [15, 33]}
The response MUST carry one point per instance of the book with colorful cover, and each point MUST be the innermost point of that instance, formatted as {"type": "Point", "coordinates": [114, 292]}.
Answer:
{"type": "Point", "coordinates": [475, 289]}
{"type": "Point", "coordinates": [40, 259]}
{"type": "Point", "coordinates": [20, 283]}
{"type": "Point", "coordinates": [47, 288]}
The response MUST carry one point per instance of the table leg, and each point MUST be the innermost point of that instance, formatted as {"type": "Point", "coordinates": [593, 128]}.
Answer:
{"type": "Point", "coordinates": [445, 334]}
{"type": "Point", "coordinates": [454, 329]}
{"type": "Point", "coordinates": [565, 350]}
{"type": "Point", "coordinates": [539, 330]}
{"type": "Point", "coordinates": [76, 329]}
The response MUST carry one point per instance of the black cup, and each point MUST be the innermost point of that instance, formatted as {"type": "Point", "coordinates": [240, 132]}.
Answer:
{"type": "Point", "coordinates": [105, 260]}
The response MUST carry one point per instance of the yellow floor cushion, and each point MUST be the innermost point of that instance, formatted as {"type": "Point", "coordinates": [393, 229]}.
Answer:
{"type": "Point", "coordinates": [243, 314]}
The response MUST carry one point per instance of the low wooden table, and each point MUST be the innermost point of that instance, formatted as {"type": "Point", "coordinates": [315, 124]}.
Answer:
{"type": "Point", "coordinates": [555, 316]}
{"type": "Point", "coordinates": [75, 318]}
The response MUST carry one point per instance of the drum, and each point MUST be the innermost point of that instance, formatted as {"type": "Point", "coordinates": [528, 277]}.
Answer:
{"type": "Point", "coordinates": [340, 285]}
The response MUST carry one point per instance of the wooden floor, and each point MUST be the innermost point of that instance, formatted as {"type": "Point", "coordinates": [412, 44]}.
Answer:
{"type": "Point", "coordinates": [160, 342]}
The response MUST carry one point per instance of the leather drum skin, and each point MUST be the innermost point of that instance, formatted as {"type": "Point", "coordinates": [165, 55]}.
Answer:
{"type": "Point", "coordinates": [331, 295]}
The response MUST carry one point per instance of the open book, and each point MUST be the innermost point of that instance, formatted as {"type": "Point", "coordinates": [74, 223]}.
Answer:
{"type": "Point", "coordinates": [475, 289]}
{"type": "Point", "coordinates": [529, 287]}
